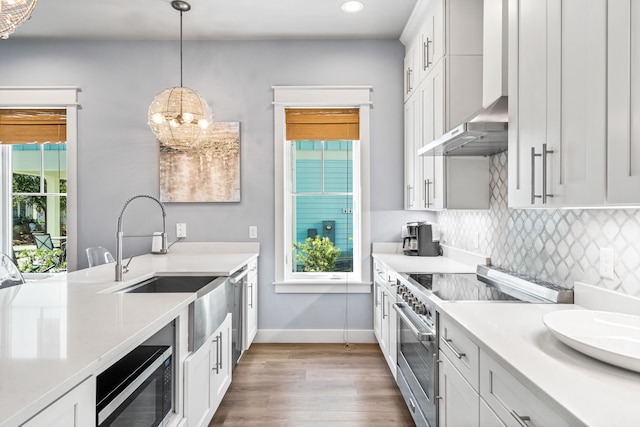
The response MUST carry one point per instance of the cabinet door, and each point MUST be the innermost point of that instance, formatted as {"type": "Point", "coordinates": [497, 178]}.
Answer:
{"type": "Point", "coordinates": [251, 323]}
{"type": "Point", "coordinates": [459, 402]}
{"type": "Point", "coordinates": [377, 309]}
{"type": "Point", "coordinates": [432, 38]}
{"type": "Point", "coordinates": [76, 408]}
{"type": "Point", "coordinates": [527, 96]}
{"type": "Point", "coordinates": [220, 363]}
{"type": "Point", "coordinates": [197, 386]}
{"type": "Point", "coordinates": [576, 99]}
{"type": "Point", "coordinates": [432, 103]}
{"type": "Point", "coordinates": [384, 324]}
{"type": "Point", "coordinates": [624, 102]}
{"type": "Point", "coordinates": [557, 121]}
{"type": "Point", "coordinates": [488, 418]}
{"type": "Point", "coordinates": [411, 66]}
{"type": "Point", "coordinates": [412, 133]}
{"type": "Point", "coordinates": [392, 334]}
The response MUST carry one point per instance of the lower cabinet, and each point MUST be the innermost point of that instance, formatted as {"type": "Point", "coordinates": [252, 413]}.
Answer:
{"type": "Point", "coordinates": [251, 304]}
{"type": "Point", "coordinates": [76, 408]}
{"type": "Point", "coordinates": [459, 402]}
{"type": "Point", "coordinates": [207, 376]}
{"type": "Point", "coordinates": [512, 403]}
{"type": "Point", "coordinates": [385, 319]}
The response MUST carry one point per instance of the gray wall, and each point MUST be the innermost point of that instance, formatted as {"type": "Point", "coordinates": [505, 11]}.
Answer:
{"type": "Point", "coordinates": [118, 155]}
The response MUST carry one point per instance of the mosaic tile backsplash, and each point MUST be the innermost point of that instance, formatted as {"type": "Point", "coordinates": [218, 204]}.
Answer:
{"type": "Point", "coordinates": [558, 245]}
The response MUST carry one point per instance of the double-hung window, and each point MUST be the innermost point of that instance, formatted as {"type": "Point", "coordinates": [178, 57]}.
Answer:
{"type": "Point", "coordinates": [322, 202]}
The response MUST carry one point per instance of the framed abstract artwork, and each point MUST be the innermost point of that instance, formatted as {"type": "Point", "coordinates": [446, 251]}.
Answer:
{"type": "Point", "coordinates": [206, 172]}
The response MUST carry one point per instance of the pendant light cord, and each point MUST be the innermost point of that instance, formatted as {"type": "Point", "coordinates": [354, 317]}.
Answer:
{"type": "Point", "coordinates": [181, 48]}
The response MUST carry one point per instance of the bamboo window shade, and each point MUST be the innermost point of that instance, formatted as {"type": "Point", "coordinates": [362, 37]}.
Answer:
{"type": "Point", "coordinates": [28, 126]}
{"type": "Point", "coordinates": [322, 124]}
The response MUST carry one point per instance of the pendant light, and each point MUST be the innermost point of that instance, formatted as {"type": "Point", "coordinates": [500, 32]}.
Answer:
{"type": "Point", "coordinates": [13, 13]}
{"type": "Point", "coordinates": [179, 116]}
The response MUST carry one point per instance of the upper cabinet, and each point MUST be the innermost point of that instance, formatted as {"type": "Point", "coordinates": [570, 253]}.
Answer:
{"type": "Point", "coordinates": [623, 133]}
{"type": "Point", "coordinates": [443, 87]}
{"type": "Point", "coordinates": [573, 103]}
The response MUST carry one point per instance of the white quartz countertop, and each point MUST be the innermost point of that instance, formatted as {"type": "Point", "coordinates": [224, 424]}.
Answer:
{"type": "Point", "coordinates": [453, 261]}
{"type": "Point", "coordinates": [59, 331]}
{"type": "Point", "coordinates": [583, 390]}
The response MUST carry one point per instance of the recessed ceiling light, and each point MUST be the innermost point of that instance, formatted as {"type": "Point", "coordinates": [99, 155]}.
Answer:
{"type": "Point", "coordinates": [352, 6]}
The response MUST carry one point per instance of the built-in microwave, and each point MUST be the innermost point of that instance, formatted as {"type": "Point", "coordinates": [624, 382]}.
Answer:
{"type": "Point", "coordinates": [137, 390]}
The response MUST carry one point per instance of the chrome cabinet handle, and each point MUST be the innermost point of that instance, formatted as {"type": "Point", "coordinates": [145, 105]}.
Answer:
{"type": "Point", "coordinates": [436, 376]}
{"type": "Point", "coordinates": [545, 152]}
{"type": "Point", "coordinates": [409, 203]}
{"type": "Point", "coordinates": [250, 288]}
{"type": "Point", "coordinates": [217, 356]}
{"type": "Point", "coordinates": [409, 72]}
{"type": "Point", "coordinates": [543, 155]}
{"type": "Point", "coordinates": [221, 352]}
{"type": "Point", "coordinates": [384, 315]}
{"type": "Point", "coordinates": [449, 343]}
{"type": "Point", "coordinates": [427, 191]}
{"type": "Point", "coordinates": [521, 419]}
{"type": "Point", "coordinates": [425, 54]}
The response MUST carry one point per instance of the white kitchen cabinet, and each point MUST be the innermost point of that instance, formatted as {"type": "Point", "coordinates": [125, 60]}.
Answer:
{"type": "Point", "coordinates": [412, 134]}
{"type": "Point", "coordinates": [208, 376]}
{"type": "Point", "coordinates": [251, 302]}
{"type": "Point", "coordinates": [488, 418]}
{"type": "Point", "coordinates": [385, 317]}
{"type": "Point", "coordinates": [494, 51]}
{"type": "Point", "coordinates": [449, 53]}
{"type": "Point", "coordinates": [510, 400]}
{"type": "Point", "coordinates": [623, 134]}
{"type": "Point", "coordinates": [75, 408]}
{"type": "Point", "coordinates": [459, 402]}
{"type": "Point", "coordinates": [557, 103]}
{"type": "Point", "coordinates": [411, 69]}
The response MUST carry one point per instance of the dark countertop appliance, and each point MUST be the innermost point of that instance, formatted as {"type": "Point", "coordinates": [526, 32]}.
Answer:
{"type": "Point", "coordinates": [421, 239]}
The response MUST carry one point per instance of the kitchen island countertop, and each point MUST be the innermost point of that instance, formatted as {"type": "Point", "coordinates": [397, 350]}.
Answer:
{"type": "Point", "coordinates": [59, 331]}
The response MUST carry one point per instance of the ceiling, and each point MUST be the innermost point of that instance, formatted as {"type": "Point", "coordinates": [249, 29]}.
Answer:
{"type": "Point", "coordinates": [214, 20]}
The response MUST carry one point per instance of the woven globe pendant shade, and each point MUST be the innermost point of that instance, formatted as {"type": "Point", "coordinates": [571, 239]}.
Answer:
{"type": "Point", "coordinates": [179, 117]}
{"type": "Point", "coordinates": [14, 13]}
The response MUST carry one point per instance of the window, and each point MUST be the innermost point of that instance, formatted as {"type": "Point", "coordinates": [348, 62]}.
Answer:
{"type": "Point", "coordinates": [322, 243]}
{"type": "Point", "coordinates": [38, 191]}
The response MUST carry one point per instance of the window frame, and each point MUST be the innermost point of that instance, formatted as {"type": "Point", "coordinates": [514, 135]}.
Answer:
{"type": "Point", "coordinates": [320, 97]}
{"type": "Point", "coordinates": [62, 97]}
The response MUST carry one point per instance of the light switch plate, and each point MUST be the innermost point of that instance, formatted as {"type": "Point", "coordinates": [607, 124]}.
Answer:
{"type": "Point", "coordinates": [606, 263]}
{"type": "Point", "coordinates": [253, 231]}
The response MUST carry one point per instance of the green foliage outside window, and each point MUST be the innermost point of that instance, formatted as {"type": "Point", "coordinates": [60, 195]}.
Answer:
{"type": "Point", "coordinates": [41, 261]}
{"type": "Point", "coordinates": [317, 254]}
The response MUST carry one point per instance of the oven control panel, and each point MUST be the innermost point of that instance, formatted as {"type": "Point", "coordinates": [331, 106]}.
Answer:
{"type": "Point", "coordinates": [416, 301]}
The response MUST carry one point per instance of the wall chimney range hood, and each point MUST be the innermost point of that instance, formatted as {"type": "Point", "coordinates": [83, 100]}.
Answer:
{"type": "Point", "coordinates": [484, 135]}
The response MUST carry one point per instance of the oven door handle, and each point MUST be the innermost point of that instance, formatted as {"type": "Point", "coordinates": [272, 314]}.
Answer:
{"type": "Point", "coordinates": [429, 335]}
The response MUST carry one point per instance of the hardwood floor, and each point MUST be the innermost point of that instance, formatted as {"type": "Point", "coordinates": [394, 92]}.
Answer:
{"type": "Point", "coordinates": [312, 385]}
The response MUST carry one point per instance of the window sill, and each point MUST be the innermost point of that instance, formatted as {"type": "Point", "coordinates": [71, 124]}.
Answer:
{"type": "Point", "coordinates": [322, 287]}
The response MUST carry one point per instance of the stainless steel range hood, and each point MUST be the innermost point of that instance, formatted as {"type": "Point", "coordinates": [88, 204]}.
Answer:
{"type": "Point", "coordinates": [484, 135]}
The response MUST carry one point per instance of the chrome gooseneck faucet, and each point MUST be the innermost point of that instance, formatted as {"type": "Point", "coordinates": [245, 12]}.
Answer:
{"type": "Point", "coordinates": [120, 270]}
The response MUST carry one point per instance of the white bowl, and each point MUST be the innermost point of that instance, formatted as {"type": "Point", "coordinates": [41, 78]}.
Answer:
{"type": "Point", "coordinates": [610, 337]}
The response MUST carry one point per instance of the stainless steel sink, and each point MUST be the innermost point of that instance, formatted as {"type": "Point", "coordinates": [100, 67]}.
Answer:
{"type": "Point", "coordinates": [206, 313]}
{"type": "Point", "coordinates": [170, 284]}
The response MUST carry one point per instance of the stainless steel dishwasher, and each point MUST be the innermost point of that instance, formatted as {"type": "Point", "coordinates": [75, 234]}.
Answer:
{"type": "Point", "coordinates": [236, 294]}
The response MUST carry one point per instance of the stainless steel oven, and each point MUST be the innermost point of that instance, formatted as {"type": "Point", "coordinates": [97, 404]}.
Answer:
{"type": "Point", "coordinates": [417, 297]}
{"type": "Point", "coordinates": [137, 390]}
{"type": "Point", "coordinates": [417, 353]}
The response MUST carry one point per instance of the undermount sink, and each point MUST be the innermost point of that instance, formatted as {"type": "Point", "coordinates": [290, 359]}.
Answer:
{"type": "Point", "coordinates": [168, 284]}
{"type": "Point", "coordinates": [613, 338]}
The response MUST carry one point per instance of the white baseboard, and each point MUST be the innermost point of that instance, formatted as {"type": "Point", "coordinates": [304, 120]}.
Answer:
{"type": "Point", "coordinates": [362, 336]}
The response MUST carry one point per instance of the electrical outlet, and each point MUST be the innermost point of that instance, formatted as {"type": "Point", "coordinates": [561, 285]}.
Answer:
{"type": "Point", "coordinates": [181, 229]}
{"type": "Point", "coordinates": [606, 263]}
{"type": "Point", "coordinates": [253, 231]}
{"type": "Point", "coordinates": [476, 239]}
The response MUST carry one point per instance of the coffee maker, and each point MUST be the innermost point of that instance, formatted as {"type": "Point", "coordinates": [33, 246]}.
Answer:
{"type": "Point", "coordinates": [421, 239]}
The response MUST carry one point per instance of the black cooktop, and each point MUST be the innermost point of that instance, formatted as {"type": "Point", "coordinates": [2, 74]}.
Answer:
{"type": "Point", "coordinates": [490, 284]}
{"type": "Point", "coordinates": [460, 287]}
